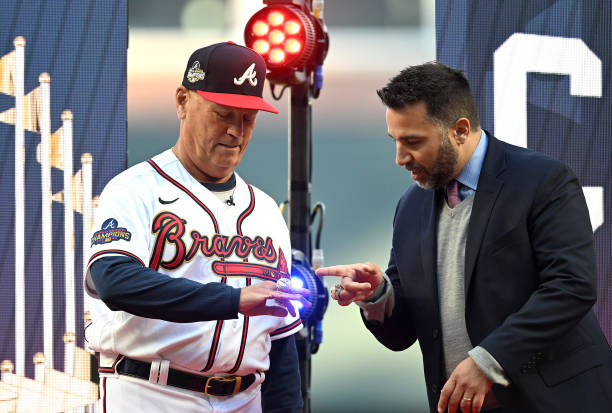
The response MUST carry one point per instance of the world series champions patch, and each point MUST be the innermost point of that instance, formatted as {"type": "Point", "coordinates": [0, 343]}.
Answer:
{"type": "Point", "coordinates": [110, 232]}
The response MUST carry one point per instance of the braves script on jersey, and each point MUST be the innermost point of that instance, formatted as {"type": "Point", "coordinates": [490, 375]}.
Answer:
{"type": "Point", "coordinates": [157, 213]}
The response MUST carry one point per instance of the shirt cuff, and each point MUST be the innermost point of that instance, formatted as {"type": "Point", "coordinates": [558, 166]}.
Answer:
{"type": "Point", "coordinates": [380, 305]}
{"type": "Point", "coordinates": [489, 366]}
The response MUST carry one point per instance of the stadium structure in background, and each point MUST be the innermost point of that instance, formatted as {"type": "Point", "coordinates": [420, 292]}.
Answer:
{"type": "Point", "coordinates": [540, 72]}
{"type": "Point", "coordinates": [62, 108]}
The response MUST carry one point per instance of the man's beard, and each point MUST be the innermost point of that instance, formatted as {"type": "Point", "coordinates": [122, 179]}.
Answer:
{"type": "Point", "coordinates": [444, 166]}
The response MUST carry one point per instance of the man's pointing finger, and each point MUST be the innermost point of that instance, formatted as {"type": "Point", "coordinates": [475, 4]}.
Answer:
{"type": "Point", "coordinates": [336, 271]}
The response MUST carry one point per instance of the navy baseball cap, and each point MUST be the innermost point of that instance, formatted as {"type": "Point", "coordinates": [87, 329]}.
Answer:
{"type": "Point", "coordinates": [228, 74]}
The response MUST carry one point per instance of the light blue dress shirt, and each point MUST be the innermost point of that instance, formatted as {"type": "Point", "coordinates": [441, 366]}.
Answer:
{"type": "Point", "coordinates": [470, 173]}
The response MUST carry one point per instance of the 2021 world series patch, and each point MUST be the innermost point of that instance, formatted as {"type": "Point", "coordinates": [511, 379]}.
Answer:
{"type": "Point", "coordinates": [110, 232]}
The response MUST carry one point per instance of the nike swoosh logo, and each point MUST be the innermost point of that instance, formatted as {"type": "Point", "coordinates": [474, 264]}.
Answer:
{"type": "Point", "coordinates": [161, 201]}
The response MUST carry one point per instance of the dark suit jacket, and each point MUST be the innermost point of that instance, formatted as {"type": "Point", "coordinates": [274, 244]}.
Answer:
{"type": "Point", "coordinates": [530, 283]}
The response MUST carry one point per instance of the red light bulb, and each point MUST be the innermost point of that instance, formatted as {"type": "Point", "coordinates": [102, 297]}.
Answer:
{"type": "Point", "coordinates": [276, 37]}
{"type": "Point", "coordinates": [292, 27]}
{"type": "Point", "coordinates": [277, 56]}
{"type": "Point", "coordinates": [276, 18]}
{"type": "Point", "coordinates": [293, 46]}
{"type": "Point", "coordinates": [261, 46]}
{"type": "Point", "coordinates": [260, 28]}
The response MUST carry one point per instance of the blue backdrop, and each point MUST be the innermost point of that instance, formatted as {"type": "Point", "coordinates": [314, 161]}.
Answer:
{"type": "Point", "coordinates": [540, 71]}
{"type": "Point", "coordinates": [82, 45]}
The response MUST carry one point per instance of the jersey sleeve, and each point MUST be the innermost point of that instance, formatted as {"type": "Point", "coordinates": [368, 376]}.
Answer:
{"type": "Point", "coordinates": [120, 228]}
{"type": "Point", "coordinates": [124, 284]}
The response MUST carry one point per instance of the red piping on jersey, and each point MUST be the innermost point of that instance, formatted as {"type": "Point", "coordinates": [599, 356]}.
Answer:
{"type": "Point", "coordinates": [246, 212]}
{"type": "Point", "coordinates": [129, 254]}
{"type": "Point", "coordinates": [286, 328]}
{"type": "Point", "coordinates": [245, 323]}
{"type": "Point", "coordinates": [215, 343]}
{"type": "Point", "coordinates": [192, 196]}
{"type": "Point", "coordinates": [104, 390]}
{"type": "Point", "coordinates": [245, 330]}
{"type": "Point", "coordinates": [112, 368]}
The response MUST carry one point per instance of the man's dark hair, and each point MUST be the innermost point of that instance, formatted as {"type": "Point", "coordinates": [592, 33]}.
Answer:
{"type": "Point", "coordinates": [445, 91]}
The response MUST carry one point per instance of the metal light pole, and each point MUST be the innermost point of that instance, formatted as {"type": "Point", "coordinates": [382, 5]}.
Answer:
{"type": "Point", "coordinates": [300, 150]}
{"type": "Point", "coordinates": [300, 156]}
{"type": "Point", "coordinates": [291, 36]}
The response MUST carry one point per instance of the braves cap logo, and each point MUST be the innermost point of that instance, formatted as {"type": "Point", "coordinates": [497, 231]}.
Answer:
{"type": "Point", "coordinates": [250, 74]}
{"type": "Point", "coordinates": [195, 73]}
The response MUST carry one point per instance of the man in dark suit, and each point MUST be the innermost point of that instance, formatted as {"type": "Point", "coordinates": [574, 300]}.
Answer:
{"type": "Point", "coordinates": [492, 265]}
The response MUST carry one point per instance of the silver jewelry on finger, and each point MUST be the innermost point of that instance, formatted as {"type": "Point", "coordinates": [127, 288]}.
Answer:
{"type": "Point", "coordinates": [283, 284]}
{"type": "Point", "coordinates": [337, 289]}
{"type": "Point", "coordinates": [467, 399]}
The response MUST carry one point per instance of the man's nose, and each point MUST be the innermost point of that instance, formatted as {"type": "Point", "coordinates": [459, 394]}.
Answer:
{"type": "Point", "coordinates": [402, 156]}
{"type": "Point", "coordinates": [236, 128]}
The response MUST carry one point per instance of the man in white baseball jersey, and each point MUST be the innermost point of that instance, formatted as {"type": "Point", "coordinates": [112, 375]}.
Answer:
{"type": "Point", "coordinates": [185, 258]}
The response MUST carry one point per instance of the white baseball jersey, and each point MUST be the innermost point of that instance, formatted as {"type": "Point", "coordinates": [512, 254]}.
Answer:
{"type": "Point", "coordinates": [157, 213]}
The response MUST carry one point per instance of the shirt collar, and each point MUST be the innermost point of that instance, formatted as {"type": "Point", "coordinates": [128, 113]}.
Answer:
{"type": "Point", "coordinates": [229, 185]}
{"type": "Point", "coordinates": [471, 171]}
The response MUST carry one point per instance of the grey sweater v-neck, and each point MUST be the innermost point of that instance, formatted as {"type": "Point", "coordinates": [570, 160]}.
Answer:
{"type": "Point", "coordinates": [452, 235]}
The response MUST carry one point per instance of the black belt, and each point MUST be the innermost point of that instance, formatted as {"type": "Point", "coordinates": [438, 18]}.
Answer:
{"type": "Point", "coordinates": [217, 386]}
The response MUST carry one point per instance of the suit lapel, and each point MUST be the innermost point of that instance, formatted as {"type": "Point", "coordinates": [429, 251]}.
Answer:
{"type": "Point", "coordinates": [486, 195]}
{"type": "Point", "coordinates": [428, 238]}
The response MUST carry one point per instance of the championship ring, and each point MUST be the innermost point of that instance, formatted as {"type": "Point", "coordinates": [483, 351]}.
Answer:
{"type": "Point", "coordinates": [284, 284]}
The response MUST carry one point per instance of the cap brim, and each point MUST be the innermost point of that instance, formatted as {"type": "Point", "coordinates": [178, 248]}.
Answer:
{"type": "Point", "coordinates": [238, 101]}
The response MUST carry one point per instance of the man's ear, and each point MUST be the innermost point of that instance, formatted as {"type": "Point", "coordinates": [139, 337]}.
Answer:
{"type": "Point", "coordinates": [181, 99]}
{"type": "Point", "coordinates": [461, 130]}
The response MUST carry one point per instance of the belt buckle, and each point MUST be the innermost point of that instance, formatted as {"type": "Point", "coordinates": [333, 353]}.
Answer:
{"type": "Point", "coordinates": [237, 380]}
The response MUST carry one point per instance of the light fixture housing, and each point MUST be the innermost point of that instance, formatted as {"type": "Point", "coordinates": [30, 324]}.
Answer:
{"type": "Point", "coordinates": [289, 38]}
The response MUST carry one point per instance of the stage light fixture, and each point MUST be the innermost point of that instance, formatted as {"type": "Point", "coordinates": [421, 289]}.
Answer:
{"type": "Point", "coordinates": [303, 276]}
{"type": "Point", "coordinates": [291, 40]}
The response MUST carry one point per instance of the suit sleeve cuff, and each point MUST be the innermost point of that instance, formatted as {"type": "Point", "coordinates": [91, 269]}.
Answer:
{"type": "Point", "coordinates": [380, 305]}
{"type": "Point", "coordinates": [489, 366]}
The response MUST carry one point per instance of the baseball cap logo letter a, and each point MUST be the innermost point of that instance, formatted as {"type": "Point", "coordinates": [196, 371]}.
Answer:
{"type": "Point", "coordinates": [249, 74]}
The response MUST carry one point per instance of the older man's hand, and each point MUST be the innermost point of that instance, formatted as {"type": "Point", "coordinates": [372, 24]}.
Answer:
{"type": "Point", "coordinates": [253, 299]}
